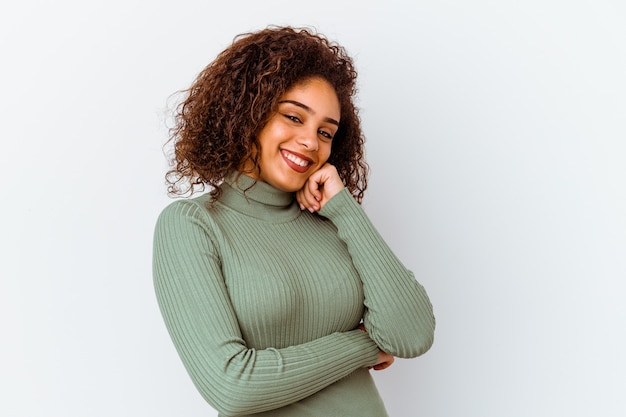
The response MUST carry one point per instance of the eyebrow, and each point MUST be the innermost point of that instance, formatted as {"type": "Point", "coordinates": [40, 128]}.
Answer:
{"type": "Point", "coordinates": [309, 110]}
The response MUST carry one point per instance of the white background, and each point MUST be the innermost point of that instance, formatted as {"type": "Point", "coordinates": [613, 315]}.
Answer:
{"type": "Point", "coordinates": [497, 140]}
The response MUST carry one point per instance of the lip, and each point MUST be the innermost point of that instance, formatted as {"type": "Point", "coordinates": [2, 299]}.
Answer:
{"type": "Point", "coordinates": [292, 165]}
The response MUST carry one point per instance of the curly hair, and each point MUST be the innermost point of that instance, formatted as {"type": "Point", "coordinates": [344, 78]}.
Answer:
{"type": "Point", "coordinates": [231, 100]}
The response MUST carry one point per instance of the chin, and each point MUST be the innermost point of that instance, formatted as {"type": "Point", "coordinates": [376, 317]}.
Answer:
{"type": "Point", "coordinates": [288, 186]}
{"type": "Point", "coordinates": [285, 181]}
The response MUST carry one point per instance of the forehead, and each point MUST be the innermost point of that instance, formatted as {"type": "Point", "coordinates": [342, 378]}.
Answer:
{"type": "Point", "coordinates": [317, 94]}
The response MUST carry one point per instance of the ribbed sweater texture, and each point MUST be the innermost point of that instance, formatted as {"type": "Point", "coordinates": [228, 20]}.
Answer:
{"type": "Point", "coordinates": [263, 300]}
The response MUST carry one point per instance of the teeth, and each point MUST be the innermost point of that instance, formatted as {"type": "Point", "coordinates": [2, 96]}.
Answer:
{"type": "Point", "coordinates": [296, 160]}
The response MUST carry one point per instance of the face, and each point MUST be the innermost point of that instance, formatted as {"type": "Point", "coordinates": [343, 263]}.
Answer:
{"type": "Point", "coordinates": [297, 139]}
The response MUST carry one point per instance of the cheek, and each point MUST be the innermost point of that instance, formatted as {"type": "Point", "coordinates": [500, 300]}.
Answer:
{"type": "Point", "coordinates": [324, 152]}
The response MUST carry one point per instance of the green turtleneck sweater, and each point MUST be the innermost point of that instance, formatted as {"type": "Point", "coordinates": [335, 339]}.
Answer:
{"type": "Point", "coordinates": [262, 301]}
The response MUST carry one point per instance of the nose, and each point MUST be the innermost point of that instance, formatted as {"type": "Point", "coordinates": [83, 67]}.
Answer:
{"type": "Point", "coordinates": [308, 139]}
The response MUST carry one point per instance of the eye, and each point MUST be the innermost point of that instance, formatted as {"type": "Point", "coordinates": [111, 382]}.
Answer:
{"type": "Point", "coordinates": [294, 119]}
{"type": "Point", "coordinates": [325, 134]}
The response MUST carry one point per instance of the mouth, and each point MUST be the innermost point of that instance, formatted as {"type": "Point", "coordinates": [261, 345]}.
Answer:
{"type": "Point", "coordinates": [297, 162]}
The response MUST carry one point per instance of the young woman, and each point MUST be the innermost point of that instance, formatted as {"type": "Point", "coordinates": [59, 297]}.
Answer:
{"type": "Point", "coordinates": [276, 289]}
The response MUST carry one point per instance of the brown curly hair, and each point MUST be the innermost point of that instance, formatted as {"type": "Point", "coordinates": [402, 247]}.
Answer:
{"type": "Point", "coordinates": [232, 99]}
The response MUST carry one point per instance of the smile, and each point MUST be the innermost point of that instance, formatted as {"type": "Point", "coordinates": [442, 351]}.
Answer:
{"type": "Point", "coordinates": [295, 162]}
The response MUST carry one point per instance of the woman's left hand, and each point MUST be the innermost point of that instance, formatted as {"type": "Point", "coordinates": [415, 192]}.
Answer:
{"type": "Point", "coordinates": [320, 187]}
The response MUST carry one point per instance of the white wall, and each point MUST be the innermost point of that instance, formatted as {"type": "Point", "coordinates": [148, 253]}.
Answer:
{"type": "Point", "coordinates": [497, 140]}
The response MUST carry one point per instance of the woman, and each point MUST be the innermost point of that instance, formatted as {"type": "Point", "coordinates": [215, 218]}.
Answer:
{"type": "Point", "coordinates": [277, 291]}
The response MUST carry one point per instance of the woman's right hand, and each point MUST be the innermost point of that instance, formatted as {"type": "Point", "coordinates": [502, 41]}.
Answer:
{"type": "Point", "coordinates": [384, 361]}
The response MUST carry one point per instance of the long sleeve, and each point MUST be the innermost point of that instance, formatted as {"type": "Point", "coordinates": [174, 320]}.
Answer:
{"type": "Point", "coordinates": [199, 315]}
{"type": "Point", "coordinates": [399, 315]}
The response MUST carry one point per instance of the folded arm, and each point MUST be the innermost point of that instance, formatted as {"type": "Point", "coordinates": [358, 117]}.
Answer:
{"type": "Point", "coordinates": [198, 313]}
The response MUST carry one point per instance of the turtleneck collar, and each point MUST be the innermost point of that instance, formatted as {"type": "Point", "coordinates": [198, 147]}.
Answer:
{"type": "Point", "coordinates": [258, 199]}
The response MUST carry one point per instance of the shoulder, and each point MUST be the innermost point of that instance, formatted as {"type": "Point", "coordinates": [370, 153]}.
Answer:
{"type": "Point", "coordinates": [184, 211]}
{"type": "Point", "coordinates": [187, 226]}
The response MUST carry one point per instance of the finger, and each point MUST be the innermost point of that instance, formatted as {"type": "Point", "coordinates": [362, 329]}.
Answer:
{"type": "Point", "coordinates": [386, 361]}
{"type": "Point", "coordinates": [306, 200]}
{"type": "Point", "coordinates": [313, 185]}
{"type": "Point", "coordinates": [301, 198]}
{"type": "Point", "coordinates": [383, 365]}
{"type": "Point", "coordinates": [330, 182]}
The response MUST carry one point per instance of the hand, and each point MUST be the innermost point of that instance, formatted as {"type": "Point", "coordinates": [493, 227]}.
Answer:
{"type": "Point", "coordinates": [320, 187]}
{"type": "Point", "coordinates": [384, 360]}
